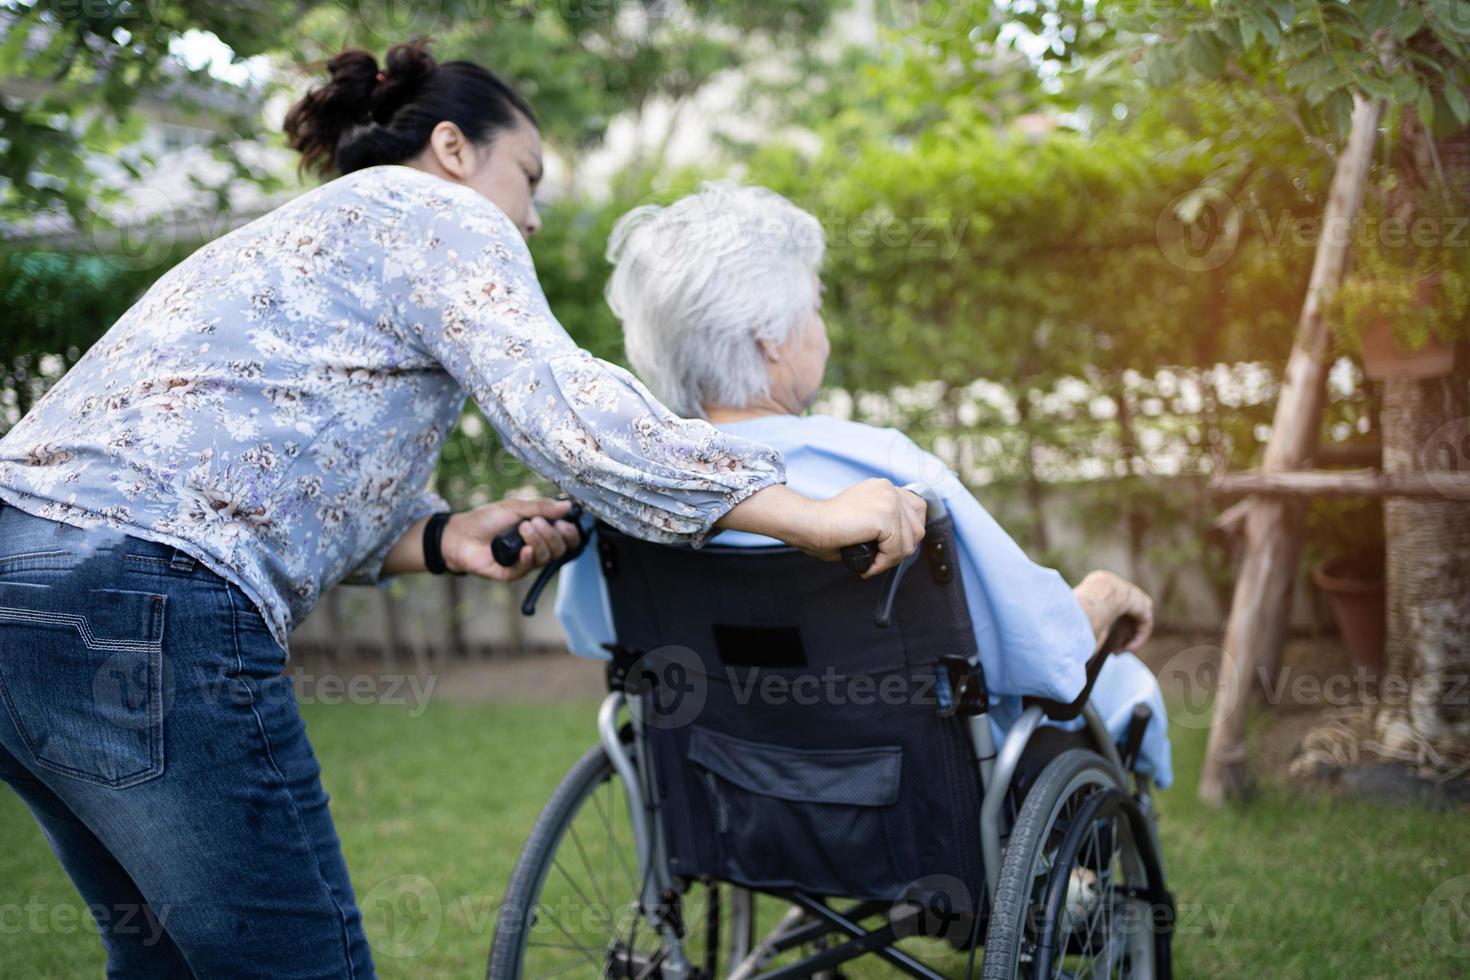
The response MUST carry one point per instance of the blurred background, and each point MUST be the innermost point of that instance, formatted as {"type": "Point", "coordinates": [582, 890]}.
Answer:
{"type": "Point", "coordinates": [1070, 245]}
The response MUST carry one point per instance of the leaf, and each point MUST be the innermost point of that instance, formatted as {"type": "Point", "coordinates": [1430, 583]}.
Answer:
{"type": "Point", "coordinates": [1205, 53]}
{"type": "Point", "coordinates": [1454, 97]}
{"type": "Point", "coordinates": [1284, 10]}
{"type": "Point", "coordinates": [1409, 23]}
{"type": "Point", "coordinates": [1266, 25]}
{"type": "Point", "coordinates": [1375, 15]}
{"type": "Point", "coordinates": [1302, 74]}
{"type": "Point", "coordinates": [1339, 109]}
{"type": "Point", "coordinates": [1375, 87]}
{"type": "Point", "coordinates": [1426, 108]}
{"type": "Point", "coordinates": [1162, 69]}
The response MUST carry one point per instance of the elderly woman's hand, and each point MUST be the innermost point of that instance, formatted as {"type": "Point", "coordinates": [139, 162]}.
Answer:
{"type": "Point", "coordinates": [1107, 597]}
{"type": "Point", "coordinates": [467, 537]}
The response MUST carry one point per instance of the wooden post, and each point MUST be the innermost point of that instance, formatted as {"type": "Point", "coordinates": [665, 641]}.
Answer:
{"type": "Point", "coordinates": [1262, 601]}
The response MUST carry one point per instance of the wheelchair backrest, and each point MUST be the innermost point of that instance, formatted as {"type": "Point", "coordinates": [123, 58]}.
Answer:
{"type": "Point", "coordinates": [796, 744]}
{"type": "Point", "coordinates": [777, 607]}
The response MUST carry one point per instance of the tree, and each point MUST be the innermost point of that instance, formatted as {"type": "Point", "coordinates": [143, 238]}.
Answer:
{"type": "Point", "coordinates": [74, 74]}
{"type": "Point", "coordinates": [1334, 69]}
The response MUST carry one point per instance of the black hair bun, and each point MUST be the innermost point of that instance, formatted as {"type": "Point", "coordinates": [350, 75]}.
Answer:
{"type": "Point", "coordinates": [409, 64]}
{"type": "Point", "coordinates": [356, 94]}
{"type": "Point", "coordinates": [364, 116]}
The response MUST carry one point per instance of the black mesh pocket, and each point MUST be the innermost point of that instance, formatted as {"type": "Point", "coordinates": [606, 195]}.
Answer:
{"type": "Point", "coordinates": [817, 819]}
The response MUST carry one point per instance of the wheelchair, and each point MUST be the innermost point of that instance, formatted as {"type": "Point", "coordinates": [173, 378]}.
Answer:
{"type": "Point", "coordinates": [788, 784]}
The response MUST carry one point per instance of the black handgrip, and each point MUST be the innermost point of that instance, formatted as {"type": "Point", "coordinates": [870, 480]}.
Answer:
{"type": "Point", "coordinates": [860, 557]}
{"type": "Point", "coordinates": [506, 548]}
{"type": "Point", "coordinates": [1120, 634]}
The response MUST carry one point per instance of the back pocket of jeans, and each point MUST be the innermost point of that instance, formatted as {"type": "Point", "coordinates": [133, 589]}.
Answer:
{"type": "Point", "coordinates": [81, 675]}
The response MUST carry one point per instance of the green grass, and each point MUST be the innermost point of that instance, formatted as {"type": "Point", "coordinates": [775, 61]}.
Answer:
{"type": "Point", "coordinates": [437, 806]}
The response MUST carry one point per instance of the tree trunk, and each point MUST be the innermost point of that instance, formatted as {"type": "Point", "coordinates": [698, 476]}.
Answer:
{"type": "Point", "coordinates": [1428, 698]}
{"type": "Point", "coordinates": [1425, 699]}
{"type": "Point", "coordinates": [1262, 603]}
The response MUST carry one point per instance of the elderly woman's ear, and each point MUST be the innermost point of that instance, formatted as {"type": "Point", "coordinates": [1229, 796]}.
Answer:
{"type": "Point", "coordinates": [769, 349]}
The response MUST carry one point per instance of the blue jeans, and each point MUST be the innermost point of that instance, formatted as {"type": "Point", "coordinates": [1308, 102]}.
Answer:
{"type": "Point", "coordinates": [148, 725]}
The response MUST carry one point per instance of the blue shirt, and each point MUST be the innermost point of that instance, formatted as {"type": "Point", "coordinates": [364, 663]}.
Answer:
{"type": "Point", "coordinates": [275, 404]}
{"type": "Point", "coordinates": [1032, 635]}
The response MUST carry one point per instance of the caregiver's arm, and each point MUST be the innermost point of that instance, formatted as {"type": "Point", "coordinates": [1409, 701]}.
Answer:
{"type": "Point", "coordinates": [872, 510]}
{"type": "Point", "coordinates": [1106, 598]}
{"type": "Point", "coordinates": [462, 283]}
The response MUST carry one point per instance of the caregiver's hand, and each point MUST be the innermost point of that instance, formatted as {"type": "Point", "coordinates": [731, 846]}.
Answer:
{"type": "Point", "coordinates": [1106, 597]}
{"type": "Point", "coordinates": [467, 537]}
{"type": "Point", "coordinates": [873, 510]}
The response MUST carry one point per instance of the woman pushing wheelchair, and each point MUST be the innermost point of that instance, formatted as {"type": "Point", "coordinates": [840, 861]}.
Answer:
{"type": "Point", "coordinates": [260, 426]}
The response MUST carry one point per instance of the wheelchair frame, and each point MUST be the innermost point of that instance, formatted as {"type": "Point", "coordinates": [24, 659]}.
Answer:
{"type": "Point", "coordinates": [997, 770]}
{"type": "Point", "coordinates": [811, 919]}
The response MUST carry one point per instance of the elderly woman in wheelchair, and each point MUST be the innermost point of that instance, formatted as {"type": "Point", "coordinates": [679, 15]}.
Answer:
{"type": "Point", "coordinates": [941, 773]}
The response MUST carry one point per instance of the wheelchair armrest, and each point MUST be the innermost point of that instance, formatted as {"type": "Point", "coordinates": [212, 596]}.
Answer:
{"type": "Point", "coordinates": [1122, 630]}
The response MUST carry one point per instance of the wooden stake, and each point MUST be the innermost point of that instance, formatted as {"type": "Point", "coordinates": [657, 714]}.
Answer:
{"type": "Point", "coordinates": [1344, 483]}
{"type": "Point", "coordinates": [1258, 613]}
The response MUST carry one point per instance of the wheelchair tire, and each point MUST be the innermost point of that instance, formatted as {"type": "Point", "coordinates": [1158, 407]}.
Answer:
{"type": "Point", "coordinates": [1078, 827]}
{"type": "Point", "coordinates": [521, 912]}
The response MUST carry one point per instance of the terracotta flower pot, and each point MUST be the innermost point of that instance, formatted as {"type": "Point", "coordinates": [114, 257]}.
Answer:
{"type": "Point", "coordinates": [1383, 358]}
{"type": "Point", "coordinates": [1357, 592]}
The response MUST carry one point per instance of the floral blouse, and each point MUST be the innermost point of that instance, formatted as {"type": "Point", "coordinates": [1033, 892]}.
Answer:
{"type": "Point", "coordinates": [276, 403]}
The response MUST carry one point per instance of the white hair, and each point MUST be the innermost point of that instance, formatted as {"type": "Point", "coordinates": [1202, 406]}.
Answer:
{"type": "Point", "coordinates": [698, 283]}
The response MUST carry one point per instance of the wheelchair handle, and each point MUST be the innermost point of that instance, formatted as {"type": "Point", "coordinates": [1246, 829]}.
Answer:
{"type": "Point", "coordinates": [1123, 630]}
{"type": "Point", "coordinates": [860, 557]}
{"type": "Point", "coordinates": [506, 548]}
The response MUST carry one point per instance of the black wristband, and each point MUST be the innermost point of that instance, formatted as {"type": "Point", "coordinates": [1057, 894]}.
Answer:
{"type": "Point", "coordinates": [433, 540]}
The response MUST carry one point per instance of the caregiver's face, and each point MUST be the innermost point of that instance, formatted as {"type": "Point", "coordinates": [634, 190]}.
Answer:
{"type": "Point", "coordinates": [506, 168]}
{"type": "Point", "coordinates": [509, 171]}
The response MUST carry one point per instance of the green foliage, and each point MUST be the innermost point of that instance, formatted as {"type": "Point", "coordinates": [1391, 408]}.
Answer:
{"type": "Point", "coordinates": [56, 305]}
{"type": "Point", "coordinates": [1314, 54]}
{"type": "Point", "coordinates": [580, 63]}
{"type": "Point", "coordinates": [1413, 275]}
{"type": "Point", "coordinates": [76, 71]}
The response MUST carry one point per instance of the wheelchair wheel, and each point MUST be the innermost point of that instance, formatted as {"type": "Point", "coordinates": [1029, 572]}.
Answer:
{"type": "Point", "coordinates": [1081, 888]}
{"type": "Point", "coordinates": [572, 908]}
